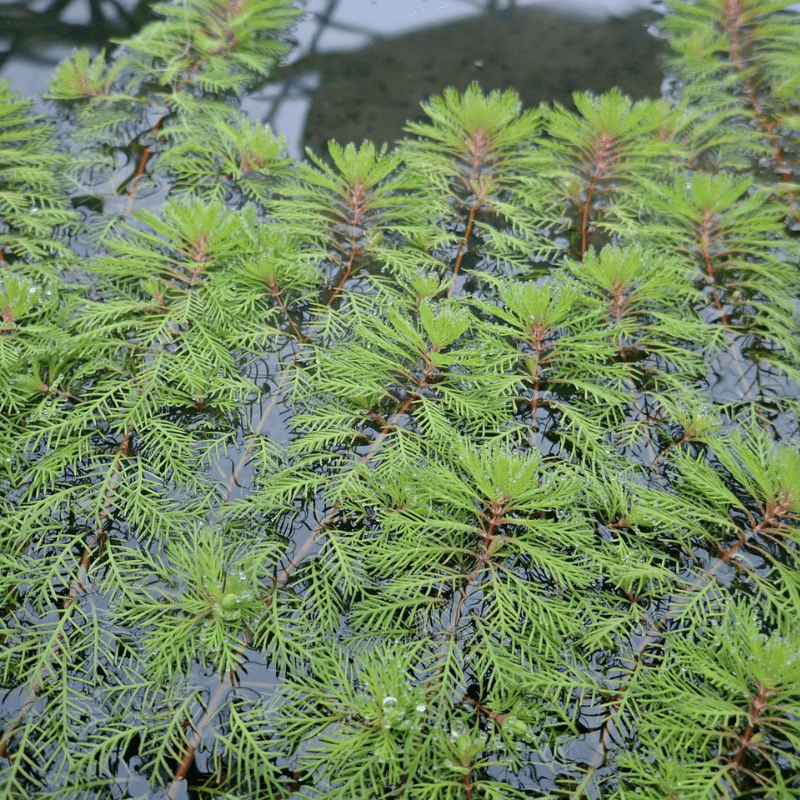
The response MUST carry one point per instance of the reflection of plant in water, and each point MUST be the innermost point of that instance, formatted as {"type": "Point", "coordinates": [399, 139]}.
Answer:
{"type": "Point", "coordinates": [486, 446]}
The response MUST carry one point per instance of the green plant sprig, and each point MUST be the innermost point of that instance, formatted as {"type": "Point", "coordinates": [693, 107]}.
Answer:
{"type": "Point", "coordinates": [350, 479]}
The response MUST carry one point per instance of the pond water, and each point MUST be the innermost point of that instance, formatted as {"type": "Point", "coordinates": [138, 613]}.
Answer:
{"type": "Point", "coordinates": [361, 67]}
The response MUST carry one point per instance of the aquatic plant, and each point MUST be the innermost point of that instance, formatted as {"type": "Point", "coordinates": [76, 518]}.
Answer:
{"type": "Point", "coordinates": [462, 470]}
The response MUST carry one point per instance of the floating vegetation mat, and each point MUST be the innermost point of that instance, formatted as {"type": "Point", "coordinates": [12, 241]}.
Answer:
{"type": "Point", "coordinates": [463, 470]}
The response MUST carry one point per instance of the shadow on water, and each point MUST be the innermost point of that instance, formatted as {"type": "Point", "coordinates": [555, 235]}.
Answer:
{"type": "Point", "coordinates": [370, 93]}
{"type": "Point", "coordinates": [28, 28]}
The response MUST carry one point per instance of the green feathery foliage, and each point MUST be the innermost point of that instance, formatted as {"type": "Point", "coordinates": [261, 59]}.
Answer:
{"type": "Point", "coordinates": [32, 199]}
{"type": "Point", "coordinates": [466, 470]}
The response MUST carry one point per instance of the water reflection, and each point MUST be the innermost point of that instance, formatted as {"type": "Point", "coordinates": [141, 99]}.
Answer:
{"type": "Point", "coordinates": [361, 67]}
{"type": "Point", "coordinates": [369, 93]}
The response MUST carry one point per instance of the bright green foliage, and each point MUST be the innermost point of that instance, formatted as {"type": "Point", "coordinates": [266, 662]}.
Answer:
{"type": "Point", "coordinates": [31, 189]}
{"type": "Point", "coordinates": [463, 470]}
{"type": "Point", "coordinates": [599, 161]}
{"type": "Point", "coordinates": [213, 594]}
{"type": "Point", "coordinates": [735, 58]}
{"type": "Point", "coordinates": [215, 45]}
{"type": "Point", "coordinates": [167, 91]}
{"type": "Point", "coordinates": [223, 161]}
{"type": "Point", "coordinates": [476, 160]}
{"type": "Point", "coordinates": [353, 204]}
{"type": "Point", "coordinates": [738, 679]}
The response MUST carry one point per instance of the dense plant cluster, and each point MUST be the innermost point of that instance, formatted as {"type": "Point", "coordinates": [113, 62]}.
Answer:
{"type": "Point", "coordinates": [462, 470]}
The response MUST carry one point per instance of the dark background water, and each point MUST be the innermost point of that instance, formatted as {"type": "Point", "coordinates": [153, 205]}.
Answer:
{"type": "Point", "coordinates": [361, 67]}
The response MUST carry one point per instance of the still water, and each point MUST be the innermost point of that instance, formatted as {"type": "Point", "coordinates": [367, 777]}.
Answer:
{"type": "Point", "coordinates": [360, 68]}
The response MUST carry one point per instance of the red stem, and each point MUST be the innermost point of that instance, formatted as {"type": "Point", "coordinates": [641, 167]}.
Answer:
{"type": "Point", "coordinates": [602, 158]}
{"type": "Point", "coordinates": [773, 512]}
{"type": "Point", "coordinates": [757, 706]}
{"type": "Point", "coordinates": [479, 151]}
{"type": "Point", "coordinates": [734, 21]}
{"type": "Point", "coordinates": [356, 207]}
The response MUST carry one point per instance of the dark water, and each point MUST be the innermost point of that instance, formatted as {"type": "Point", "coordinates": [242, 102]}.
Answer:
{"type": "Point", "coordinates": [545, 56]}
{"type": "Point", "coordinates": [369, 93]}
{"type": "Point", "coordinates": [36, 36]}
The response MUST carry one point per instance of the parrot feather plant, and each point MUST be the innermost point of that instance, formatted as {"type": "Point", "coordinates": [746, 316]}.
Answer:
{"type": "Point", "coordinates": [462, 470]}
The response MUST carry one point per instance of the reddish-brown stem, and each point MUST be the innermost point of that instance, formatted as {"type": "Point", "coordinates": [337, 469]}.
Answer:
{"type": "Point", "coordinates": [144, 158]}
{"type": "Point", "coordinates": [196, 736]}
{"type": "Point", "coordinates": [60, 393]}
{"type": "Point", "coordinates": [757, 706]}
{"type": "Point", "coordinates": [706, 233]}
{"type": "Point", "coordinates": [462, 248]}
{"type": "Point", "coordinates": [619, 307]}
{"type": "Point", "coordinates": [275, 291]}
{"type": "Point", "coordinates": [377, 443]}
{"type": "Point", "coordinates": [356, 207]}
{"type": "Point", "coordinates": [603, 156]}
{"type": "Point", "coordinates": [773, 512]}
{"type": "Point", "coordinates": [582, 788]}
{"type": "Point", "coordinates": [467, 780]}
{"type": "Point", "coordinates": [479, 148]}
{"type": "Point", "coordinates": [495, 717]}
{"type": "Point", "coordinates": [733, 26]}
{"type": "Point", "coordinates": [357, 204]}
{"type": "Point", "coordinates": [688, 436]}
{"type": "Point", "coordinates": [585, 218]}
{"type": "Point", "coordinates": [497, 510]}
{"type": "Point", "coordinates": [734, 21]}
{"type": "Point", "coordinates": [537, 336]}
{"type": "Point", "coordinates": [147, 152]}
